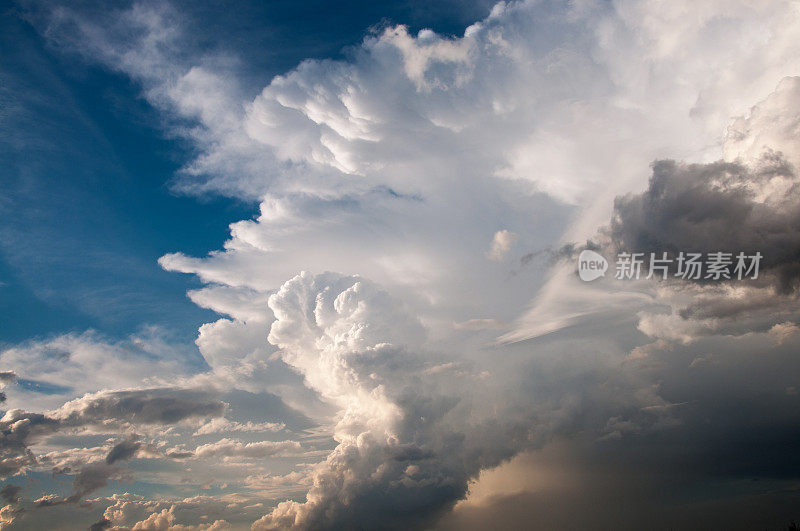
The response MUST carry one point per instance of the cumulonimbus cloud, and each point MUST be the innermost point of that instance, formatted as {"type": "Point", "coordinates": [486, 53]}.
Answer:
{"type": "Point", "coordinates": [402, 163]}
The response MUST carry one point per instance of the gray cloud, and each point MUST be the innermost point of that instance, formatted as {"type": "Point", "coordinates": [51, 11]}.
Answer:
{"type": "Point", "coordinates": [17, 430]}
{"type": "Point", "coordinates": [92, 477]}
{"type": "Point", "coordinates": [141, 406]}
{"type": "Point", "coordinates": [148, 406]}
{"type": "Point", "coordinates": [570, 487]}
{"type": "Point", "coordinates": [88, 479]}
{"type": "Point", "coordinates": [10, 493]}
{"type": "Point", "coordinates": [720, 206]}
{"type": "Point", "coordinates": [123, 451]}
{"type": "Point", "coordinates": [748, 203]}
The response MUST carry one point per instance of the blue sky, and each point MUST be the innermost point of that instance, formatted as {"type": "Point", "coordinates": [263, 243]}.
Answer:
{"type": "Point", "coordinates": [283, 265]}
{"type": "Point", "coordinates": [86, 171]}
{"type": "Point", "coordinates": [87, 166]}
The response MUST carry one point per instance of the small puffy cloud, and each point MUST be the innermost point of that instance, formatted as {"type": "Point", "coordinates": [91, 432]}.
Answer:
{"type": "Point", "coordinates": [8, 514]}
{"type": "Point", "coordinates": [200, 513]}
{"type": "Point", "coordinates": [70, 459]}
{"type": "Point", "coordinates": [783, 332]}
{"type": "Point", "coordinates": [501, 245]}
{"type": "Point", "coordinates": [103, 411]}
{"type": "Point", "coordinates": [164, 520]}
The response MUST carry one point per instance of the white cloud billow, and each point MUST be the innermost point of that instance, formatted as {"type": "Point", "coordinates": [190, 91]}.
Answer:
{"type": "Point", "coordinates": [398, 460]}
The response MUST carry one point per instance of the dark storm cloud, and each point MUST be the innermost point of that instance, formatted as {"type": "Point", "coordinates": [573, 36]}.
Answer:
{"type": "Point", "coordinates": [725, 460]}
{"type": "Point", "coordinates": [713, 207]}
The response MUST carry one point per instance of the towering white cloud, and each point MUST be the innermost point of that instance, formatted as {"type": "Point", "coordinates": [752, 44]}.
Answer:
{"type": "Point", "coordinates": [402, 456]}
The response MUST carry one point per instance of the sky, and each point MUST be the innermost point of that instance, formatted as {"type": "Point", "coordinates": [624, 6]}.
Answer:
{"type": "Point", "coordinates": [292, 265]}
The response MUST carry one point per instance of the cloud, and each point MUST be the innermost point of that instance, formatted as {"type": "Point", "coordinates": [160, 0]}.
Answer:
{"type": "Point", "coordinates": [279, 484]}
{"type": "Point", "coordinates": [225, 448]}
{"type": "Point", "coordinates": [93, 477]}
{"type": "Point", "coordinates": [751, 205]}
{"type": "Point", "coordinates": [199, 513]}
{"type": "Point", "coordinates": [8, 514]}
{"type": "Point", "coordinates": [771, 125]}
{"type": "Point", "coordinates": [783, 332]}
{"type": "Point", "coordinates": [17, 430]}
{"type": "Point", "coordinates": [62, 363]}
{"type": "Point", "coordinates": [221, 425]}
{"type": "Point", "coordinates": [123, 451]}
{"type": "Point", "coordinates": [397, 462]}
{"type": "Point", "coordinates": [10, 493]}
{"type": "Point", "coordinates": [105, 411]}
{"type": "Point", "coordinates": [549, 485]}
{"type": "Point", "coordinates": [141, 406]}
{"type": "Point", "coordinates": [100, 525]}
{"type": "Point", "coordinates": [480, 324]}
{"type": "Point", "coordinates": [165, 521]}
{"type": "Point", "coordinates": [395, 167]}
{"type": "Point", "coordinates": [747, 204]}
{"type": "Point", "coordinates": [717, 207]}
